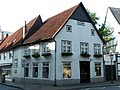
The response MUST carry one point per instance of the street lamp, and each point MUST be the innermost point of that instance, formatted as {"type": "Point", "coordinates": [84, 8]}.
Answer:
{"type": "Point", "coordinates": [111, 58]}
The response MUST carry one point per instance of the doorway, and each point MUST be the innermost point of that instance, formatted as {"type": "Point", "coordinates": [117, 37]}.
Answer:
{"type": "Point", "coordinates": [84, 71]}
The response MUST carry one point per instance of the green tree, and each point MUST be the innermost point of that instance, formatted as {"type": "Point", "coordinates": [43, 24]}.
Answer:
{"type": "Point", "coordinates": [105, 31]}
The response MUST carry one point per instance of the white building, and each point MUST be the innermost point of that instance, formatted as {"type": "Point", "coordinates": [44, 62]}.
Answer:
{"type": "Point", "coordinates": [67, 49]}
{"type": "Point", "coordinates": [113, 22]}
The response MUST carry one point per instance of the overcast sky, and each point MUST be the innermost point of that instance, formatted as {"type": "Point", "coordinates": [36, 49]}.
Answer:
{"type": "Point", "coordinates": [13, 13]}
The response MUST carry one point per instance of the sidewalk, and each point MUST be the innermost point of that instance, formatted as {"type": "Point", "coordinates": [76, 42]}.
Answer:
{"type": "Point", "coordinates": [69, 87]}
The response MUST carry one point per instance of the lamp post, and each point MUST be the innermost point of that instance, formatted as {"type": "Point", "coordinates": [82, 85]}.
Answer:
{"type": "Point", "coordinates": [111, 58]}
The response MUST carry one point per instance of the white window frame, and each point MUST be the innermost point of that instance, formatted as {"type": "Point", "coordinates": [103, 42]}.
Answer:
{"type": "Point", "coordinates": [26, 51]}
{"type": "Point", "coordinates": [27, 65]}
{"type": "Point", "coordinates": [63, 65]}
{"type": "Point", "coordinates": [34, 65]}
{"type": "Point", "coordinates": [36, 49]}
{"type": "Point", "coordinates": [46, 64]}
{"type": "Point", "coordinates": [92, 32]}
{"type": "Point", "coordinates": [84, 48]}
{"type": "Point", "coordinates": [66, 46]}
{"type": "Point", "coordinates": [69, 28]}
{"type": "Point", "coordinates": [46, 48]}
{"type": "Point", "coordinates": [15, 64]}
{"type": "Point", "coordinates": [97, 49]}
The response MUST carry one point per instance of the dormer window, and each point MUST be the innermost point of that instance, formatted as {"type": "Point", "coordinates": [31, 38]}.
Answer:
{"type": "Point", "coordinates": [68, 28]}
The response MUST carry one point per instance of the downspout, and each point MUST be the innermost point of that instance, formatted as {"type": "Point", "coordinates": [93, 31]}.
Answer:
{"type": "Point", "coordinates": [55, 63]}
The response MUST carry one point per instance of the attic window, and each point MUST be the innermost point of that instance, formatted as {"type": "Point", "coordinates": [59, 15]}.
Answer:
{"type": "Point", "coordinates": [68, 28]}
{"type": "Point", "coordinates": [81, 23]}
{"type": "Point", "coordinates": [92, 32]}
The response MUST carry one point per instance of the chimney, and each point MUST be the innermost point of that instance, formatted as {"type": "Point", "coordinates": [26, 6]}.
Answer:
{"type": "Point", "coordinates": [24, 30]}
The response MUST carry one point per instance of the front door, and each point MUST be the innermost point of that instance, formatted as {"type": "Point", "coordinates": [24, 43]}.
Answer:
{"type": "Point", "coordinates": [84, 71]}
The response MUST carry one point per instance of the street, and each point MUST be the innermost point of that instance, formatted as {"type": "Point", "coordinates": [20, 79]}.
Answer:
{"type": "Point", "coordinates": [103, 88]}
{"type": "Point", "coordinates": [3, 87]}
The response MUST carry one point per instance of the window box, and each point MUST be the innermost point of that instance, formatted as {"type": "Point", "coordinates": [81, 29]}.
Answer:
{"type": "Point", "coordinates": [98, 55]}
{"type": "Point", "coordinates": [46, 54]}
{"type": "Point", "coordinates": [35, 55]}
{"type": "Point", "coordinates": [85, 55]}
{"type": "Point", "coordinates": [26, 56]}
{"type": "Point", "coordinates": [67, 53]}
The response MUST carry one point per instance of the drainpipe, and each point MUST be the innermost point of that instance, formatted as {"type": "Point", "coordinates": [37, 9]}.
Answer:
{"type": "Point", "coordinates": [55, 63]}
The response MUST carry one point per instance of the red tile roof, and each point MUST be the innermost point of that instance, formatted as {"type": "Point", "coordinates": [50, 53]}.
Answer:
{"type": "Point", "coordinates": [15, 38]}
{"type": "Point", "coordinates": [51, 26]}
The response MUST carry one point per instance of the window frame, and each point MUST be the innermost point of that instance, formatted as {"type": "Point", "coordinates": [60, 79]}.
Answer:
{"type": "Point", "coordinates": [65, 62]}
{"type": "Point", "coordinates": [69, 28]}
{"type": "Point", "coordinates": [15, 64]}
{"type": "Point", "coordinates": [45, 48]}
{"type": "Point", "coordinates": [27, 66]}
{"type": "Point", "coordinates": [84, 47]}
{"type": "Point", "coordinates": [92, 32]}
{"type": "Point", "coordinates": [33, 68]}
{"type": "Point", "coordinates": [97, 49]}
{"type": "Point", "coordinates": [99, 73]}
{"type": "Point", "coordinates": [48, 72]}
{"type": "Point", "coordinates": [65, 46]}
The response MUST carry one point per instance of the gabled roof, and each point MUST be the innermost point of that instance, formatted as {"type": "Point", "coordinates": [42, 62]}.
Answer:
{"type": "Point", "coordinates": [14, 39]}
{"type": "Point", "coordinates": [116, 13]}
{"type": "Point", "coordinates": [51, 26]}
{"type": "Point", "coordinates": [54, 24]}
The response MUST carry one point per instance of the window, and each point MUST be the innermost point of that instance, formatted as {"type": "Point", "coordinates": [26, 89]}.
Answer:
{"type": "Point", "coordinates": [27, 51]}
{"type": "Point", "coordinates": [66, 70]}
{"type": "Point", "coordinates": [35, 69]}
{"type": "Point", "coordinates": [81, 23]}
{"type": "Point", "coordinates": [45, 69]}
{"type": "Point", "coordinates": [35, 49]}
{"type": "Point", "coordinates": [46, 48]}
{"type": "Point", "coordinates": [97, 49]}
{"type": "Point", "coordinates": [98, 69]}
{"type": "Point", "coordinates": [68, 28]}
{"type": "Point", "coordinates": [26, 70]}
{"type": "Point", "coordinates": [66, 46]}
{"type": "Point", "coordinates": [4, 56]}
{"type": "Point", "coordinates": [15, 63]}
{"type": "Point", "coordinates": [10, 54]}
{"type": "Point", "coordinates": [84, 48]}
{"type": "Point", "coordinates": [92, 32]}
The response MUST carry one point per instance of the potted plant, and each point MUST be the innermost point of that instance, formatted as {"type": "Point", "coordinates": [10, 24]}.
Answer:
{"type": "Point", "coordinates": [46, 54]}
{"type": "Point", "coordinates": [35, 55]}
{"type": "Point", "coordinates": [26, 56]}
{"type": "Point", "coordinates": [67, 53]}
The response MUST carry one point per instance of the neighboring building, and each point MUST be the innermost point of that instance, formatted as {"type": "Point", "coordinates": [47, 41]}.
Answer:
{"type": "Point", "coordinates": [14, 40]}
{"type": "Point", "coordinates": [67, 49]}
{"type": "Point", "coordinates": [113, 22]}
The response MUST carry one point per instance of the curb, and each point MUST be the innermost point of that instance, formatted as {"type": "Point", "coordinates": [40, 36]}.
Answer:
{"type": "Point", "coordinates": [12, 86]}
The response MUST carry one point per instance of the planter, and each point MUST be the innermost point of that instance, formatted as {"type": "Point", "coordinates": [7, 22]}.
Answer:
{"type": "Point", "coordinates": [26, 56]}
{"type": "Point", "coordinates": [36, 55]}
{"type": "Point", "coordinates": [46, 54]}
{"type": "Point", "coordinates": [67, 54]}
{"type": "Point", "coordinates": [98, 55]}
{"type": "Point", "coordinates": [85, 55]}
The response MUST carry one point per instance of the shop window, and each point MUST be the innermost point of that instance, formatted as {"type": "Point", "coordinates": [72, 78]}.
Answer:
{"type": "Point", "coordinates": [66, 70]}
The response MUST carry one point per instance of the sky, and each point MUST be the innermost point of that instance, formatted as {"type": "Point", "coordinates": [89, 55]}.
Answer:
{"type": "Point", "coordinates": [14, 13]}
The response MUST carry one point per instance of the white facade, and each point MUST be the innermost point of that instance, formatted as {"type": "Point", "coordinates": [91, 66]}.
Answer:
{"type": "Point", "coordinates": [78, 34]}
